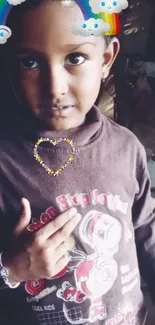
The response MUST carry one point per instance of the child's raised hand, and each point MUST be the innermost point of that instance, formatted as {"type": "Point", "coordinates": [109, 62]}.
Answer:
{"type": "Point", "coordinates": [41, 254]}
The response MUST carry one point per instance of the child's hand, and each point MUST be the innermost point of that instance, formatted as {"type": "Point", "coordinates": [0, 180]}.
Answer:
{"type": "Point", "coordinates": [41, 254]}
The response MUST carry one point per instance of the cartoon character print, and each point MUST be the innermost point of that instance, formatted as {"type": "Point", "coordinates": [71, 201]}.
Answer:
{"type": "Point", "coordinates": [94, 274]}
{"type": "Point", "coordinates": [69, 293]}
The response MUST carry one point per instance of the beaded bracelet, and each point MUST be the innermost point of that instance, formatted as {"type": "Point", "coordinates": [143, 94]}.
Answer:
{"type": "Point", "coordinates": [4, 274]}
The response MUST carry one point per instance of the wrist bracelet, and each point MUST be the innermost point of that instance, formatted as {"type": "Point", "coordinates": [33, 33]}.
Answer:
{"type": "Point", "coordinates": [4, 274]}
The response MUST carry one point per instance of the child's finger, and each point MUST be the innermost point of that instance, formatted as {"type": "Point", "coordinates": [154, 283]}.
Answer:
{"type": "Point", "coordinates": [56, 225]}
{"type": "Point", "coordinates": [24, 219]}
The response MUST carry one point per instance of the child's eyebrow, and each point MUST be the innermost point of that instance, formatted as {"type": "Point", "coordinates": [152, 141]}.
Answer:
{"type": "Point", "coordinates": [25, 50]}
{"type": "Point", "coordinates": [80, 44]}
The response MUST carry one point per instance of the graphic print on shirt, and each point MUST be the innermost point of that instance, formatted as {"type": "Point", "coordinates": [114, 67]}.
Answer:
{"type": "Point", "coordinates": [127, 232]}
{"type": "Point", "coordinates": [94, 274]}
{"type": "Point", "coordinates": [112, 202]}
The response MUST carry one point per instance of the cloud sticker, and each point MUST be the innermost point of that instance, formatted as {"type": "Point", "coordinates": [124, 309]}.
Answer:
{"type": "Point", "coordinates": [67, 3]}
{"type": "Point", "coordinates": [5, 33]}
{"type": "Point", "coordinates": [15, 2]}
{"type": "Point", "coordinates": [108, 6]}
{"type": "Point", "coordinates": [90, 27]}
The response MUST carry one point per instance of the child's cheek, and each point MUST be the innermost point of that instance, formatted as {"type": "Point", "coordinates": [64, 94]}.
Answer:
{"type": "Point", "coordinates": [30, 90]}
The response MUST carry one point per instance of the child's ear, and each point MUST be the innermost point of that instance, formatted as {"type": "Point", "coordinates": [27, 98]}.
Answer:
{"type": "Point", "coordinates": [109, 56]}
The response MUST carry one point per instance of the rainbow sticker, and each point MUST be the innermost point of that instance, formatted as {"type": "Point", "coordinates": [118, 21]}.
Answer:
{"type": "Point", "coordinates": [5, 8]}
{"type": "Point", "coordinates": [100, 17]}
{"type": "Point", "coordinates": [112, 19]}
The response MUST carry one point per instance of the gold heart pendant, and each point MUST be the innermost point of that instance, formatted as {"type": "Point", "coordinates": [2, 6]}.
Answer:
{"type": "Point", "coordinates": [54, 142]}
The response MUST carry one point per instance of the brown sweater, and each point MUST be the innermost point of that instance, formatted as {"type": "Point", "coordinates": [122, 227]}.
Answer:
{"type": "Point", "coordinates": [109, 184]}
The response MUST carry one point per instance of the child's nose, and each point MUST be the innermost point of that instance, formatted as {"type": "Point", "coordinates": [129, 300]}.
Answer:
{"type": "Point", "coordinates": [56, 82]}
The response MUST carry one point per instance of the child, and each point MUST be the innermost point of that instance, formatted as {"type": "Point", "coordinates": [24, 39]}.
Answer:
{"type": "Point", "coordinates": [56, 77]}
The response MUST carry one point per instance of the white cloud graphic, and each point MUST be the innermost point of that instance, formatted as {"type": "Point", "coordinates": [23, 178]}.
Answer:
{"type": "Point", "coordinates": [108, 6]}
{"type": "Point", "coordinates": [15, 2]}
{"type": "Point", "coordinates": [90, 27]}
{"type": "Point", "coordinates": [67, 3]}
{"type": "Point", "coordinates": [5, 33]}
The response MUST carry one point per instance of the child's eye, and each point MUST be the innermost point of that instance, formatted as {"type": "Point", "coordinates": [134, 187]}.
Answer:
{"type": "Point", "coordinates": [76, 59]}
{"type": "Point", "coordinates": [103, 3]}
{"type": "Point", "coordinates": [115, 3]}
{"type": "Point", "coordinates": [27, 63]}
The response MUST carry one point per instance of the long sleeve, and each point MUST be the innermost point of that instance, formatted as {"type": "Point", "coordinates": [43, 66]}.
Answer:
{"type": "Point", "coordinates": [144, 222]}
{"type": "Point", "coordinates": [102, 274]}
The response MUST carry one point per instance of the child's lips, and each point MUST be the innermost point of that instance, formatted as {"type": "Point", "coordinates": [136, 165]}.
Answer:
{"type": "Point", "coordinates": [58, 111]}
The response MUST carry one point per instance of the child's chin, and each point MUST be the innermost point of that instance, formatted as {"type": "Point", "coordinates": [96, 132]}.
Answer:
{"type": "Point", "coordinates": [60, 123]}
{"type": "Point", "coordinates": [57, 125]}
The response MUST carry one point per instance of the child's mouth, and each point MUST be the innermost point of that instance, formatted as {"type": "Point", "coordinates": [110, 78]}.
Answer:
{"type": "Point", "coordinates": [59, 107]}
{"type": "Point", "coordinates": [58, 111]}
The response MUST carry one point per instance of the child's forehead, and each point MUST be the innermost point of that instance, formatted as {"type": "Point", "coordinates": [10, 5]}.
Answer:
{"type": "Point", "coordinates": [50, 21]}
{"type": "Point", "coordinates": [49, 14]}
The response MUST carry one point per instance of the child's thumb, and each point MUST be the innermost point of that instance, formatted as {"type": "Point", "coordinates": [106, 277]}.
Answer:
{"type": "Point", "coordinates": [24, 219]}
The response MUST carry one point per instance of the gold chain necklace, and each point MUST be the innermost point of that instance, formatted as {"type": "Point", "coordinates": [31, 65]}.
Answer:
{"type": "Point", "coordinates": [54, 142]}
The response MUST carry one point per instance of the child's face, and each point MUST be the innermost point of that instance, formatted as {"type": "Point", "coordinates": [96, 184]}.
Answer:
{"type": "Point", "coordinates": [56, 68]}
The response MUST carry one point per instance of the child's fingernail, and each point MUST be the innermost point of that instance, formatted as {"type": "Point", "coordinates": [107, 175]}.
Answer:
{"type": "Point", "coordinates": [78, 217]}
{"type": "Point", "coordinates": [73, 211]}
